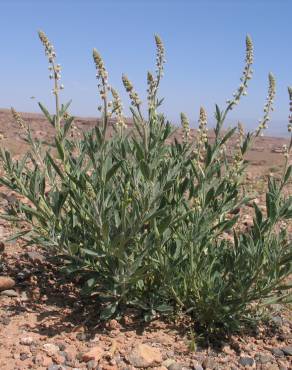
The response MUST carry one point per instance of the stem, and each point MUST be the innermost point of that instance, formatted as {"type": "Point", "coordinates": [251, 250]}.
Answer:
{"type": "Point", "coordinates": [105, 116]}
{"type": "Point", "coordinates": [57, 103]}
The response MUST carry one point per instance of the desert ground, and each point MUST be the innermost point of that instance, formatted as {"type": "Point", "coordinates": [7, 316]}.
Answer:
{"type": "Point", "coordinates": [44, 324]}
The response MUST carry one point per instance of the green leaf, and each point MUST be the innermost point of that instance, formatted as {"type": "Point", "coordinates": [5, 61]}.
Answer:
{"type": "Point", "coordinates": [288, 174]}
{"type": "Point", "coordinates": [47, 114]}
{"type": "Point", "coordinates": [113, 170]}
{"type": "Point", "coordinates": [108, 311]}
{"type": "Point", "coordinates": [271, 206]}
{"type": "Point", "coordinates": [67, 125]}
{"type": "Point", "coordinates": [259, 215]}
{"type": "Point", "coordinates": [55, 166]}
{"type": "Point", "coordinates": [60, 149]}
{"type": "Point", "coordinates": [145, 170]}
{"type": "Point", "coordinates": [227, 136]}
{"type": "Point", "coordinates": [17, 236]}
{"type": "Point", "coordinates": [65, 107]}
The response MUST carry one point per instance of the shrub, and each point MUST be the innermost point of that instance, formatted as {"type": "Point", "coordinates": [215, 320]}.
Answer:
{"type": "Point", "coordinates": [150, 221]}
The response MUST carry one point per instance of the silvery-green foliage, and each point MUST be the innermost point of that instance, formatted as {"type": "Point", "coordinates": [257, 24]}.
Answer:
{"type": "Point", "coordinates": [143, 218]}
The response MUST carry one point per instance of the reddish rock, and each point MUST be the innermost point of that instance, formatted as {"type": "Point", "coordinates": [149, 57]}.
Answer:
{"type": "Point", "coordinates": [6, 283]}
{"type": "Point", "coordinates": [113, 325]}
{"type": "Point", "coordinates": [95, 354]}
{"type": "Point", "coordinates": [143, 355]}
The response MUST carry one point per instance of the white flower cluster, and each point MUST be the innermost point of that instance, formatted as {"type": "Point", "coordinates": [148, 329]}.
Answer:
{"type": "Point", "coordinates": [203, 130]}
{"type": "Point", "coordinates": [117, 108]}
{"type": "Point", "coordinates": [153, 82]}
{"type": "Point", "coordinates": [285, 150]}
{"type": "Point", "coordinates": [186, 126]}
{"type": "Point", "coordinates": [54, 68]}
{"type": "Point", "coordinates": [246, 75]}
{"type": "Point", "coordinates": [101, 75]}
{"type": "Point", "coordinates": [135, 100]}
{"type": "Point", "coordinates": [160, 56]}
{"type": "Point", "coordinates": [269, 105]}
{"type": "Point", "coordinates": [151, 91]}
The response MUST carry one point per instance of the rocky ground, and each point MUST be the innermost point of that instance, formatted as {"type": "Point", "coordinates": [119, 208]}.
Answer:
{"type": "Point", "coordinates": [45, 325]}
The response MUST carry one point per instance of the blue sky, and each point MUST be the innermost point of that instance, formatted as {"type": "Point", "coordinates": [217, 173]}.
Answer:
{"type": "Point", "coordinates": [204, 41]}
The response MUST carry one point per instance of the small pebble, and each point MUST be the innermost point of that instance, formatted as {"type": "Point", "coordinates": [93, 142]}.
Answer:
{"type": "Point", "coordinates": [264, 359]}
{"type": "Point", "coordinates": [277, 321]}
{"type": "Point", "coordinates": [9, 293]}
{"type": "Point", "coordinates": [287, 350]}
{"type": "Point", "coordinates": [81, 336]}
{"type": "Point", "coordinates": [24, 356]}
{"type": "Point", "coordinates": [26, 341]}
{"type": "Point", "coordinates": [91, 365]}
{"type": "Point", "coordinates": [209, 363]}
{"type": "Point", "coordinates": [56, 367]}
{"type": "Point", "coordinates": [277, 352]}
{"type": "Point", "coordinates": [175, 366]}
{"type": "Point", "coordinates": [61, 346]}
{"type": "Point", "coordinates": [246, 361]}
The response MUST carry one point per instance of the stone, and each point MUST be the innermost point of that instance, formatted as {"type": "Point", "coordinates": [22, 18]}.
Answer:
{"type": "Point", "coordinates": [246, 361]}
{"type": "Point", "coordinates": [113, 325]}
{"type": "Point", "coordinates": [5, 320]}
{"type": "Point", "coordinates": [39, 359]}
{"type": "Point", "coordinates": [282, 366]}
{"type": "Point", "coordinates": [175, 366]}
{"type": "Point", "coordinates": [91, 365]}
{"type": "Point", "coordinates": [58, 358]}
{"type": "Point", "coordinates": [209, 363]}
{"type": "Point", "coordinates": [26, 341]}
{"type": "Point", "coordinates": [277, 352]}
{"type": "Point", "coordinates": [198, 367]}
{"type": "Point", "coordinates": [21, 276]}
{"type": "Point", "coordinates": [35, 257]}
{"type": "Point", "coordinates": [168, 362]}
{"type": "Point", "coordinates": [24, 297]}
{"type": "Point", "coordinates": [6, 283]}
{"type": "Point", "coordinates": [143, 355]}
{"type": "Point", "coordinates": [264, 359]}
{"type": "Point", "coordinates": [61, 345]}
{"type": "Point", "coordinates": [9, 293]}
{"type": "Point", "coordinates": [24, 356]}
{"type": "Point", "coordinates": [56, 367]}
{"type": "Point", "coordinates": [50, 348]}
{"type": "Point", "coordinates": [277, 321]}
{"type": "Point", "coordinates": [95, 354]}
{"type": "Point", "coordinates": [287, 350]}
{"type": "Point", "coordinates": [81, 336]}
{"type": "Point", "coordinates": [270, 367]}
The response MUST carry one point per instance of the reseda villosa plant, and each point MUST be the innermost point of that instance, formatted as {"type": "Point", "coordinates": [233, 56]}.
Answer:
{"type": "Point", "coordinates": [143, 218]}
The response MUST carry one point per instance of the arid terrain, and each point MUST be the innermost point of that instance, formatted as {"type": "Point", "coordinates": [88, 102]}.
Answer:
{"type": "Point", "coordinates": [44, 324]}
